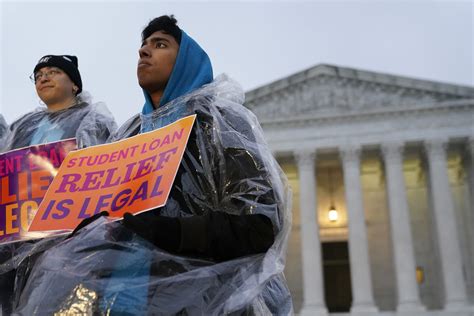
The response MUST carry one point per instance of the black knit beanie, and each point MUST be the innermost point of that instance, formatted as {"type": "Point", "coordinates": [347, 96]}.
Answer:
{"type": "Point", "coordinates": [66, 63]}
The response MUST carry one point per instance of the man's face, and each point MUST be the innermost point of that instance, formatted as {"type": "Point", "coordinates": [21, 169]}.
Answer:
{"type": "Point", "coordinates": [53, 85]}
{"type": "Point", "coordinates": [157, 57]}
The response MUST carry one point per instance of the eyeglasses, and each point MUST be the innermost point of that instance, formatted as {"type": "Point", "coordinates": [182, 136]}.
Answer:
{"type": "Point", "coordinates": [47, 74]}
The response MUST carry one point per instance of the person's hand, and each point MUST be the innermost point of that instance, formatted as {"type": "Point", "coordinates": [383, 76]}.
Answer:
{"type": "Point", "coordinates": [164, 232]}
{"type": "Point", "coordinates": [140, 226]}
{"type": "Point", "coordinates": [87, 221]}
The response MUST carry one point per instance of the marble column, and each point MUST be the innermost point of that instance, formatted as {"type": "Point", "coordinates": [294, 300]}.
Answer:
{"type": "Point", "coordinates": [405, 266]}
{"type": "Point", "coordinates": [313, 289]}
{"type": "Point", "coordinates": [361, 280]}
{"type": "Point", "coordinates": [470, 213]}
{"type": "Point", "coordinates": [470, 145]}
{"type": "Point", "coordinates": [446, 227]}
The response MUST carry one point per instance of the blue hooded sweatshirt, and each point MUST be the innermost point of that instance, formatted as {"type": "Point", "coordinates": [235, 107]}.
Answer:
{"type": "Point", "coordinates": [191, 71]}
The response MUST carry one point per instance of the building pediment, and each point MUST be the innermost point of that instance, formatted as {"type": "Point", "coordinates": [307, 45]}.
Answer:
{"type": "Point", "coordinates": [327, 91]}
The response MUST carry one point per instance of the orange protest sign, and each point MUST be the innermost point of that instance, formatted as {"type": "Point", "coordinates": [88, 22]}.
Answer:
{"type": "Point", "coordinates": [132, 175]}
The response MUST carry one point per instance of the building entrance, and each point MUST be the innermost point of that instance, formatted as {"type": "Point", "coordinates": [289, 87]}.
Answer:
{"type": "Point", "coordinates": [337, 276]}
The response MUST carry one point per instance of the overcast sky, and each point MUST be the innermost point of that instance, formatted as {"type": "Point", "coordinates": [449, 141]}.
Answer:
{"type": "Point", "coordinates": [253, 41]}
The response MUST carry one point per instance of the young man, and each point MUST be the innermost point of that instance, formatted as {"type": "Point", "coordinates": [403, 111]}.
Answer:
{"type": "Point", "coordinates": [67, 114]}
{"type": "Point", "coordinates": [227, 199]}
{"type": "Point", "coordinates": [223, 229]}
{"type": "Point", "coordinates": [171, 66]}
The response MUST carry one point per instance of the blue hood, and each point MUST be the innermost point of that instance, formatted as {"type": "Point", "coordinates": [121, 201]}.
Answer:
{"type": "Point", "coordinates": [191, 70]}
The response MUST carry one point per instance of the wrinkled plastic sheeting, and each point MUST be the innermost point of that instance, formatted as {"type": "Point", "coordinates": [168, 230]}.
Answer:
{"type": "Point", "coordinates": [111, 270]}
{"type": "Point", "coordinates": [3, 131]}
{"type": "Point", "coordinates": [106, 269]}
{"type": "Point", "coordinates": [90, 124]}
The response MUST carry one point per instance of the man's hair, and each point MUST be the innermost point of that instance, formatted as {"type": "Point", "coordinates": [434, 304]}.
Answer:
{"type": "Point", "coordinates": [164, 23]}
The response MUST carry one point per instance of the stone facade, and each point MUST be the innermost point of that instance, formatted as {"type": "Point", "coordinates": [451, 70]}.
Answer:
{"type": "Point", "coordinates": [394, 155]}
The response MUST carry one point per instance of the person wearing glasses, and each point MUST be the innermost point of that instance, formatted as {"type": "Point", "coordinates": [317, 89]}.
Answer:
{"type": "Point", "coordinates": [68, 112]}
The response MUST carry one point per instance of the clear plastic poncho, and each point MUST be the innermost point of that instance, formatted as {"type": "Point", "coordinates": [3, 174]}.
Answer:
{"type": "Point", "coordinates": [3, 130]}
{"type": "Point", "coordinates": [106, 269]}
{"type": "Point", "coordinates": [90, 124]}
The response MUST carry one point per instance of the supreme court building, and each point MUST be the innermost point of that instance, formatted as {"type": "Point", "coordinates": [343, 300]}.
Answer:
{"type": "Point", "coordinates": [381, 169]}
